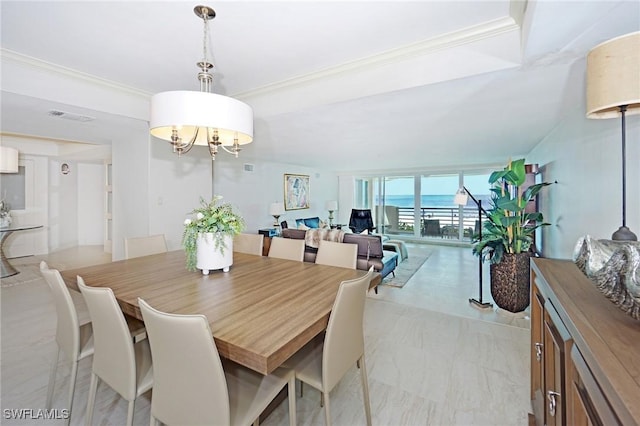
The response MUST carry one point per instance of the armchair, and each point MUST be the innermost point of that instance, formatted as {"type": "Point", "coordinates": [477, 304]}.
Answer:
{"type": "Point", "coordinates": [431, 228]}
{"type": "Point", "coordinates": [361, 220]}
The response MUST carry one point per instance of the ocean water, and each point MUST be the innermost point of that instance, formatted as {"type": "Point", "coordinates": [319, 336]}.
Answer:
{"type": "Point", "coordinates": [431, 200]}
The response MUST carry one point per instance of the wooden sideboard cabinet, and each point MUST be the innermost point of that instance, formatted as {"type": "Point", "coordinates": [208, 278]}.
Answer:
{"type": "Point", "coordinates": [585, 352]}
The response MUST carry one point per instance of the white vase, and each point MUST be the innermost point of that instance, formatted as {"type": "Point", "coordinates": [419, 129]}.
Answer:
{"type": "Point", "coordinates": [209, 257]}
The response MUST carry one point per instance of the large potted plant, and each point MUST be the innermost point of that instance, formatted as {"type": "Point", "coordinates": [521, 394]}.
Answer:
{"type": "Point", "coordinates": [507, 236]}
{"type": "Point", "coordinates": [208, 236]}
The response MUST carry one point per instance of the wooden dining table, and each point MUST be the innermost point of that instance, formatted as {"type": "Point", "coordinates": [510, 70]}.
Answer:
{"type": "Point", "coordinates": [260, 312]}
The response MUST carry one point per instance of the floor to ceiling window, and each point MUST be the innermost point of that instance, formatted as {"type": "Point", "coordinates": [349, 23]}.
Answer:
{"type": "Point", "coordinates": [438, 214]}
{"type": "Point", "coordinates": [421, 206]}
{"type": "Point", "coordinates": [394, 202]}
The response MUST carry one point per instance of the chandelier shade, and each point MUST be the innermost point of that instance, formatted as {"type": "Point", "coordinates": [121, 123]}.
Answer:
{"type": "Point", "coordinates": [613, 77]}
{"type": "Point", "coordinates": [186, 111]}
{"type": "Point", "coordinates": [187, 118]}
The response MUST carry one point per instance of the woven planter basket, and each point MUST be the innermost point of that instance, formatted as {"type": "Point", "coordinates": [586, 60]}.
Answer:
{"type": "Point", "coordinates": [510, 282]}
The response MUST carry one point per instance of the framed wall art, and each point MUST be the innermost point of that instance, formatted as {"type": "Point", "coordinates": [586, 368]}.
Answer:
{"type": "Point", "coordinates": [296, 192]}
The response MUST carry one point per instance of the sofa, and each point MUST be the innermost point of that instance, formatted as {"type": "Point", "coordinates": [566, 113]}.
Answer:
{"type": "Point", "coordinates": [370, 251]}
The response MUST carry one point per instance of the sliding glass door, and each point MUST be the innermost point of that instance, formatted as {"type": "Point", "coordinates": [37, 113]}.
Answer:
{"type": "Point", "coordinates": [438, 215]}
{"type": "Point", "coordinates": [421, 206]}
{"type": "Point", "coordinates": [394, 204]}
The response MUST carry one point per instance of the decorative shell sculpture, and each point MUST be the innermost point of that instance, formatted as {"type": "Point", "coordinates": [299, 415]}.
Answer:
{"type": "Point", "coordinates": [614, 267]}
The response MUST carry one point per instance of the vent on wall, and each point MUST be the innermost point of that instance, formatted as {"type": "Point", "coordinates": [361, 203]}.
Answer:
{"type": "Point", "coordinates": [247, 167]}
{"type": "Point", "coordinates": [70, 116]}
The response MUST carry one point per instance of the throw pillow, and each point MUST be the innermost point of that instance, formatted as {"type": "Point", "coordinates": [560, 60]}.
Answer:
{"type": "Point", "coordinates": [312, 222]}
{"type": "Point", "coordinates": [303, 226]}
{"type": "Point", "coordinates": [365, 232]}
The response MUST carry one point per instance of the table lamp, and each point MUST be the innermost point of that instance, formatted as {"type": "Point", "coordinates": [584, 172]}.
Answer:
{"type": "Point", "coordinates": [613, 90]}
{"type": "Point", "coordinates": [331, 206]}
{"type": "Point", "coordinates": [276, 210]}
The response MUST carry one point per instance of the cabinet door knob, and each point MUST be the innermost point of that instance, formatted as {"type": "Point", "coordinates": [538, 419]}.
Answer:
{"type": "Point", "coordinates": [551, 396]}
{"type": "Point", "coordinates": [539, 347]}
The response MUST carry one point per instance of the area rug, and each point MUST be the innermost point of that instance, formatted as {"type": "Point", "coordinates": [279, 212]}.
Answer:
{"type": "Point", "coordinates": [405, 270]}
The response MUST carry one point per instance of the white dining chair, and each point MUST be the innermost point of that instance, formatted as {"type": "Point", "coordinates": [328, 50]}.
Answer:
{"type": "Point", "coordinates": [248, 243]}
{"type": "Point", "coordinates": [144, 246]}
{"type": "Point", "coordinates": [322, 364]}
{"type": "Point", "coordinates": [193, 387]}
{"type": "Point", "coordinates": [287, 248]}
{"type": "Point", "coordinates": [74, 340]}
{"type": "Point", "coordinates": [119, 362]}
{"type": "Point", "coordinates": [337, 254]}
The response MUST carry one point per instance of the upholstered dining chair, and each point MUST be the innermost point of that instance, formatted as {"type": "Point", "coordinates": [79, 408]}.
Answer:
{"type": "Point", "coordinates": [322, 364]}
{"type": "Point", "coordinates": [119, 362]}
{"type": "Point", "coordinates": [248, 243]}
{"type": "Point", "coordinates": [144, 246]}
{"type": "Point", "coordinates": [193, 387]}
{"type": "Point", "coordinates": [287, 248]}
{"type": "Point", "coordinates": [337, 254]}
{"type": "Point", "coordinates": [74, 339]}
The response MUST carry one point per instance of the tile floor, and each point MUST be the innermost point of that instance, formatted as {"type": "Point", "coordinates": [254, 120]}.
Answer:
{"type": "Point", "coordinates": [432, 359]}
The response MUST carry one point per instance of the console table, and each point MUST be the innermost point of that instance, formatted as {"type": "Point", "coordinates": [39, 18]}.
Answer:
{"type": "Point", "coordinates": [585, 352]}
{"type": "Point", "coordinates": [6, 270]}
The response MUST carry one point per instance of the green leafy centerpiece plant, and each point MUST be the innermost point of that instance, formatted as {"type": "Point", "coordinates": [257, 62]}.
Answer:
{"type": "Point", "coordinates": [507, 235]}
{"type": "Point", "coordinates": [210, 231]}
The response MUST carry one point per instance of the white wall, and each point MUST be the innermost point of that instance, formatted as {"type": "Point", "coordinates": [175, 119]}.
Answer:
{"type": "Point", "coordinates": [252, 192]}
{"type": "Point", "coordinates": [175, 187]}
{"type": "Point", "coordinates": [345, 199]}
{"type": "Point", "coordinates": [91, 199]}
{"type": "Point", "coordinates": [63, 205]}
{"type": "Point", "coordinates": [584, 156]}
{"type": "Point", "coordinates": [130, 159]}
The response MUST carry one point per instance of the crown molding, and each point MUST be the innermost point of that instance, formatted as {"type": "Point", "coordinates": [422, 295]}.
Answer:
{"type": "Point", "coordinates": [451, 40]}
{"type": "Point", "coordinates": [37, 138]}
{"type": "Point", "coordinates": [6, 54]}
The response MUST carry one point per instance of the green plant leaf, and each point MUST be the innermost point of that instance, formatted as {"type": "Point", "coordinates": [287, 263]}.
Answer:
{"type": "Point", "coordinates": [508, 228]}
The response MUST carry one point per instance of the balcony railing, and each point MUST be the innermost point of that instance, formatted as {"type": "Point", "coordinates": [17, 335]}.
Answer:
{"type": "Point", "coordinates": [434, 222]}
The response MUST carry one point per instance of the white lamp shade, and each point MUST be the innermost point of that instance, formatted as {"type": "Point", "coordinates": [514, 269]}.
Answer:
{"type": "Point", "coordinates": [187, 110]}
{"type": "Point", "coordinates": [613, 77]}
{"type": "Point", "coordinates": [461, 198]}
{"type": "Point", "coordinates": [276, 209]}
{"type": "Point", "coordinates": [331, 205]}
{"type": "Point", "coordinates": [8, 160]}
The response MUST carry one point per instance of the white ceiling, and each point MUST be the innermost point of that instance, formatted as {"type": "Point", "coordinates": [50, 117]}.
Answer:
{"type": "Point", "coordinates": [359, 84]}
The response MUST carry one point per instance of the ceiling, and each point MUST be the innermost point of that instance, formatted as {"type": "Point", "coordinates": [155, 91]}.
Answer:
{"type": "Point", "coordinates": [358, 85]}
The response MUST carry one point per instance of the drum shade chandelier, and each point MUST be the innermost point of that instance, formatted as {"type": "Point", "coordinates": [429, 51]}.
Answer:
{"type": "Point", "coordinates": [613, 90]}
{"type": "Point", "coordinates": [188, 118]}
